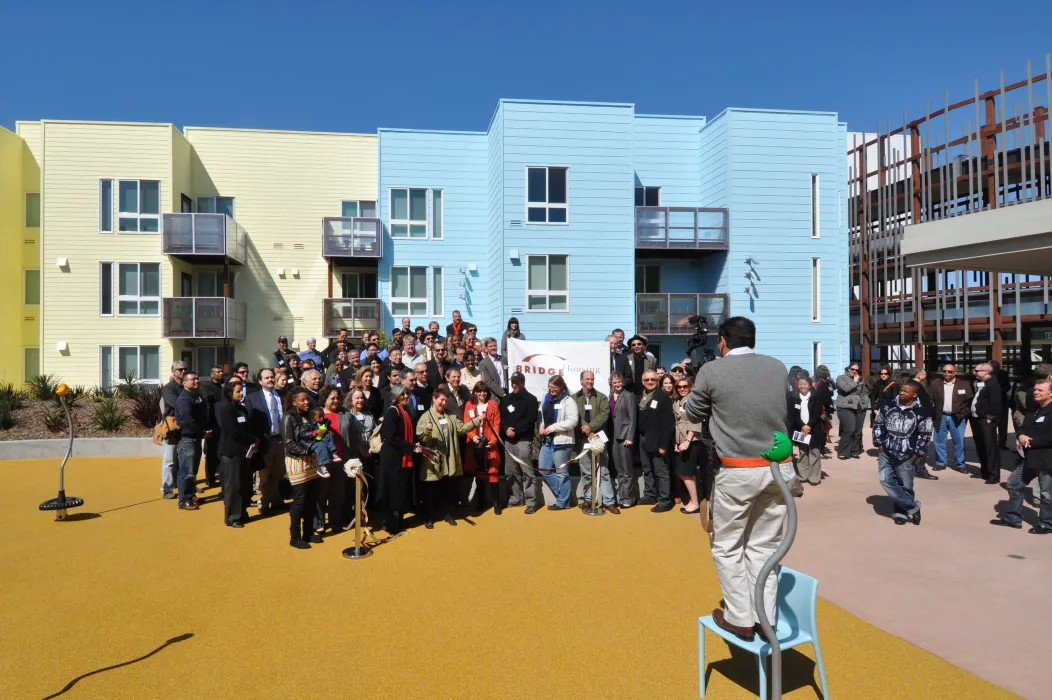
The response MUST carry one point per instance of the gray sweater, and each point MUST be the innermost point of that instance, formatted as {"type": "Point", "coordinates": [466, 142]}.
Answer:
{"type": "Point", "coordinates": [743, 396]}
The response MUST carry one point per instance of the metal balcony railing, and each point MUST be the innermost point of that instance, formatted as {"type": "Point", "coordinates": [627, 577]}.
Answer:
{"type": "Point", "coordinates": [203, 317]}
{"type": "Point", "coordinates": [351, 237]}
{"type": "Point", "coordinates": [682, 228]}
{"type": "Point", "coordinates": [669, 314]}
{"type": "Point", "coordinates": [204, 235]}
{"type": "Point", "coordinates": [356, 315]}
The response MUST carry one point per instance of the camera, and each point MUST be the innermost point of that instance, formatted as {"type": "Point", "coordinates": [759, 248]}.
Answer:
{"type": "Point", "coordinates": [697, 341]}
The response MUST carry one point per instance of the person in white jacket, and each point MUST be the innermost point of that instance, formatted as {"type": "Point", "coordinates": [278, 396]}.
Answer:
{"type": "Point", "coordinates": [557, 419]}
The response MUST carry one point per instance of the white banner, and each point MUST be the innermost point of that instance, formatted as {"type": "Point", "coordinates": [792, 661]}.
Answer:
{"type": "Point", "coordinates": [540, 360]}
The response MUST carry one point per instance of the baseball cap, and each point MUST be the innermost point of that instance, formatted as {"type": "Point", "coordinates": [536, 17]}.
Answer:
{"type": "Point", "coordinates": [518, 377]}
{"type": "Point", "coordinates": [675, 367]}
{"type": "Point", "coordinates": [282, 339]}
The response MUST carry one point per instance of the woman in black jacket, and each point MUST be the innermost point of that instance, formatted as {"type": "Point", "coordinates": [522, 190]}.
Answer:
{"type": "Point", "coordinates": [235, 440]}
{"type": "Point", "coordinates": [805, 416]}
{"type": "Point", "coordinates": [396, 459]}
{"type": "Point", "coordinates": [301, 467]}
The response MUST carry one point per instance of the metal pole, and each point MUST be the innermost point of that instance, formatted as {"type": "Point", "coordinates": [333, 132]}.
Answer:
{"type": "Point", "coordinates": [765, 572]}
{"type": "Point", "coordinates": [357, 551]}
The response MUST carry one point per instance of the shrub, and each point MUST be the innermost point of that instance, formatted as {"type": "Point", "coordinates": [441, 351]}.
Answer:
{"type": "Point", "coordinates": [7, 416]}
{"type": "Point", "coordinates": [128, 387]}
{"type": "Point", "coordinates": [54, 419]}
{"type": "Point", "coordinates": [108, 415]}
{"type": "Point", "coordinates": [42, 387]}
{"type": "Point", "coordinates": [100, 393]}
{"type": "Point", "coordinates": [146, 407]}
{"type": "Point", "coordinates": [11, 397]}
{"type": "Point", "coordinates": [73, 396]}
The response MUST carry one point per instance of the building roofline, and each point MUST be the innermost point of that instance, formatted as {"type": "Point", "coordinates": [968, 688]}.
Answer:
{"type": "Point", "coordinates": [430, 131]}
{"type": "Point", "coordinates": [673, 116]}
{"type": "Point", "coordinates": [813, 112]}
{"type": "Point", "coordinates": [99, 122]}
{"type": "Point", "coordinates": [276, 131]}
{"type": "Point", "coordinates": [584, 103]}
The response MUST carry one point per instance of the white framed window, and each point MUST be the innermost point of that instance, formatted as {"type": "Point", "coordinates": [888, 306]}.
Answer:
{"type": "Point", "coordinates": [30, 363]}
{"type": "Point", "coordinates": [138, 206]}
{"type": "Point", "coordinates": [547, 195]}
{"type": "Point", "coordinates": [547, 283]}
{"type": "Point", "coordinates": [416, 291]}
{"type": "Point", "coordinates": [31, 288]}
{"type": "Point", "coordinates": [415, 213]}
{"type": "Point", "coordinates": [648, 279]}
{"type": "Point", "coordinates": [138, 289]}
{"type": "Point", "coordinates": [816, 186]}
{"type": "Point", "coordinates": [207, 358]}
{"type": "Point", "coordinates": [143, 360]}
{"type": "Point", "coordinates": [216, 205]}
{"type": "Point", "coordinates": [105, 206]}
{"type": "Point", "coordinates": [816, 290]}
{"type": "Point", "coordinates": [105, 289]}
{"type": "Point", "coordinates": [32, 218]}
{"type": "Point", "coordinates": [648, 196]}
{"type": "Point", "coordinates": [816, 356]}
{"type": "Point", "coordinates": [358, 285]}
{"type": "Point", "coordinates": [358, 208]}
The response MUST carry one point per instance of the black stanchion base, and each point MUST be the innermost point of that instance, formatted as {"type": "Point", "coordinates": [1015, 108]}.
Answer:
{"type": "Point", "coordinates": [60, 504]}
{"type": "Point", "coordinates": [593, 511]}
{"type": "Point", "coordinates": [357, 553]}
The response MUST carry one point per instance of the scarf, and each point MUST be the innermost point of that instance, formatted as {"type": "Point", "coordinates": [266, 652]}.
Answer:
{"type": "Point", "coordinates": [644, 399]}
{"type": "Point", "coordinates": [407, 435]}
{"type": "Point", "coordinates": [548, 409]}
{"type": "Point", "coordinates": [457, 325]}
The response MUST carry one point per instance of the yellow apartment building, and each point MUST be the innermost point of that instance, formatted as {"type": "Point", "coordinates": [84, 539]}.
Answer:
{"type": "Point", "coordinates": [152, 244]}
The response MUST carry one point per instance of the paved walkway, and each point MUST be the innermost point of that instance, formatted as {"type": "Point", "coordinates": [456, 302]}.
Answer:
{"type": "Point", "coordinates": [969, 592]}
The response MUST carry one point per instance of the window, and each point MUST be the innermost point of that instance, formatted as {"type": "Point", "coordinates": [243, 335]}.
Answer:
{"type": "Point", "coordinates": [409, 291]}
{"type": "Point", "coordinates": [138, 206]}
{"type": "Point", "coordinates": [416, 213]}
{"type": "Point", "coordinates": [31, 288]}
{"type": "Point", "coordinates": [32, 210]}
{"type": "Point", "coordinates": [142, 360]}
{"type": "Point", "coordinates": [207, 358]}
{"type": "Point", "coordinates": [547, 283]}
{"type": "Point", "coordinates": [816, 289]}
{"type": "Point", "coordinates": [105, 206]}
{"type": "Point", "coordinates": [105, 289]}
{"type": "Point", "coordinates": [210, 283]}
{"type": "Point", "coordinates": [655, 350]}
{"type": "Point", "coordinates": [359, 208]}
{"type": "Point", "coordinates": [358, 285]}
{"type": "Point", "coordinates": [138, 289]}
{"type": "Point", "coordinates": [216, 205]}
{"type": "Point", "coordinates": [816, 356]}
{"type": "Point", "coordinates": [648, 196]}
{"type": "Point", "coordinates": [648, 279]}
{"type": "Point", "coordinates": [30, 363]}
{"type": "Point", "coordinates": [546, 195]}
{"type": "Point", "coordinates": [815, 191]}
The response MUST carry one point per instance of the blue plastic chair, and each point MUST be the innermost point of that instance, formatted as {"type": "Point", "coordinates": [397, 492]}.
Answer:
{"type": "Point", "coordinates": [796, 625]}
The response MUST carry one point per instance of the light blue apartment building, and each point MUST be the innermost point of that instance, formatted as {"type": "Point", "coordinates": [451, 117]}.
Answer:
{"type": "Point", "coordinates": [577, 218]}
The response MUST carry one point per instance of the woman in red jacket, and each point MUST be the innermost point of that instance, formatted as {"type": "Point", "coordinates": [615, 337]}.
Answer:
{"type": "Point", "coordinates": [482, 458]}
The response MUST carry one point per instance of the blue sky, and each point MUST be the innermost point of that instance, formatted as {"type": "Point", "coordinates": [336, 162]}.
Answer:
{"type": "Point", "coordinates": [356, 66]}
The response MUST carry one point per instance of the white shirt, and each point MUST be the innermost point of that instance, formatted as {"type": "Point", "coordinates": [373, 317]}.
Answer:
{"type": "Point", "coordinates": [500, 369]}
{"type": "Point", "coordinates": [740, 351]}
{"type": "Point", "coordinates": [947, 396]}
{"type": "Point", "coordinates": [805, 413]}
{"type": "Point", "coordinates": [271, 399]}
{"type": "Point", "coordinates": [975, 399]}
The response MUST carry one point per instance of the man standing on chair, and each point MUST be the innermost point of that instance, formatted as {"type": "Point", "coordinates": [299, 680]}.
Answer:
{"type": "Point", "coordinates": [743, 397]}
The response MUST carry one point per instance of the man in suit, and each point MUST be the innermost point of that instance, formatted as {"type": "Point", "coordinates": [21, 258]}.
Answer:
{"type": "Point", "coordinates": [622, 432]}
{"type": "Point", "coordinates": [458, 326]}
{"type": "Point", "coordinates": [657, 428]}
{"type": "Point", "coordinates": [494, 373]}
{"type": "Point", "coordinates": [264, 421]}
{"type": "Point", "coordinates": [437, 368]}
{"type": "Point", "coordinates": [618, 362]}
{"type": "Point", "coordinates": [423, 390]}
{"type": "Point", "coordinates": [986, 411]}
{"type": "Point", "coordinates": [1005, 382]}
{"type": "Point", "coordinates": [212, 392]}
{"type": "Point", "coordinates": [639, 361]}
{"type": "Point", "coordinates": [311, 380]}
{"type": "Point", "coordinates": [1035, 438]}
{"type": "Point", "coordinates": [951, 401]}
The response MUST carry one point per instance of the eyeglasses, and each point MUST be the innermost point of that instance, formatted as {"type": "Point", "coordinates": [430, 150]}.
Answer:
{"type": "Point", "coordinates": [853, 369]}
{"type": "Point", "coordinates": [649, 380]}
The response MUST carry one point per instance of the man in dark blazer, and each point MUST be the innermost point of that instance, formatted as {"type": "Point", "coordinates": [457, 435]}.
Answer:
{"type": "Point", "coordinates": [265, 412]}
{"type": "Point", "coordinates": [618, 362]}
{"type": "Point", "coordinates": [951, 399]}
{"type": "Point", "coordinates": [1035, 438]}
{"type": "Point", "coordinates": [657, 428]}
{"type": "Point", "coordinates": [986, 411]}
{"type": "Point", "coordinates": [1005, 382]}
{"type": "Point", "coordinates": [622, 432]}
{"type": "Point", "coordinates": [494, 370]}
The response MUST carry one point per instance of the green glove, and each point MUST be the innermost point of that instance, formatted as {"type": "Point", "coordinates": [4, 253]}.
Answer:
{"type": "Point", "coordinates": [781, 450]}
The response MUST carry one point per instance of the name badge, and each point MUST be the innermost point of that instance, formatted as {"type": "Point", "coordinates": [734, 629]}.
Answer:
{"type": "Point", "coordinates": [797, 406]}
{"type": "Point", "coordinates": [588, 407]}
{"type": "Point", "coordinates": [1040, 420]}
{"type": "Point", "coordinates": [471, 413]}
{"type": "Point", "coordinates": [419, 407]}
{"type": "Point", "coordinates": [511, 409]}
{"type": "Point", "coordinates": [961, 392]}
{"type": "Point", "coordinates": [653, 404]}
{"type": "Point", "coordinates": [281, 362]}
{"type": "Point", "coordinates": [558, 407]}
{"type": "Point", "coordinates": [442, 421]}
{"type": "Point", "coordinates": [241, 419]}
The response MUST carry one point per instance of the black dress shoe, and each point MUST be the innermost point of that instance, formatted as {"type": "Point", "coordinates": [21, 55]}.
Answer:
{"type": "Point", "coordinates": [299, 544]}
{"type": "Point", "coordinates": [451, 520]}
{"type": "Point", "coordinates": [497, 510]}
{"type": "Point", "coordinates": [429, 524]}
{"type": "Point", "coordinates": [661, 508]}
{"type": "Point", "coordinates": [556, 506]}
{"type": "Point", "coordinates": [530, 510]}
{"type": "Point", "coordinates": [1040, 530]}
{"type": "Point", "coordinates": [927, 475]}
{"type": "Point", "coordinates": [316, 539]}
{"type": "Point", "coordinates": [990, 482]}
{"type": "Point", "coordinates": [646, 502]}
{"type": "Point", "coordinates": [237, 524]}
{"type": "Point", "coordinates": [1004, 523]}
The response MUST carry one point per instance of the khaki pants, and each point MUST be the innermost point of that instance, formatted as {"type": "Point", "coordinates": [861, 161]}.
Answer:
{"type": "Point", "coordinates": [809, 464]}
{"type": "Point", "coordinates": [747, 517]}
{"type": "Point", "coordinates": [272, 473]}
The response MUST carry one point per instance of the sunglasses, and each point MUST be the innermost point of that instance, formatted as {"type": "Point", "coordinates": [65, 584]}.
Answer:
{"type": "Point", "coordinates": [684, 386]}
{"type": "Point", "coordinates": [649, 381]}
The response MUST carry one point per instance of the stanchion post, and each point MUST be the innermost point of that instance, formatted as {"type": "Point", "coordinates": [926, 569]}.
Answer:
{"type": "Point", "coordinates": [357, 551]}
{"type": "Point", "coordinates": [594, 458]}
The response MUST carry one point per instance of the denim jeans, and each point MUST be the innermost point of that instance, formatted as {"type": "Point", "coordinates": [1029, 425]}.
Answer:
{"type": "Point", "coordinates": [168, 468]}
{"type": "Point", "coordinates": [956, 431]}
{"type": "Point", "coordinates": [605, 487]}
{"type": "Point", "coordinates": [558, 481]}
{"type": "Point", "coordinates": [1017, 483]}
{"type": "Point", "coordinates": [189, 453]}
{"type": "Point", "coordinates": [896, 476]}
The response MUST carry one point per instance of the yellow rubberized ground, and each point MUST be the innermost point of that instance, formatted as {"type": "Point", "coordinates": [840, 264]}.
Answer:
{"type": "Point", "coordinates": [554, 605]}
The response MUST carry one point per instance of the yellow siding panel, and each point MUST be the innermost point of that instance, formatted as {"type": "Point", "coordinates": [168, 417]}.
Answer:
{"type": "Point", "coordinates": [284, 184]}
{"type": "Point", "coordinates": [11, 233]}
{"type": "Point", "coordinates": [75, 156]}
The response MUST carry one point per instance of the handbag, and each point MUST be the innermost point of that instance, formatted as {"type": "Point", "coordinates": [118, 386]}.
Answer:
{"type": "Point", "coordinates": [166, 432]}
{"type": "Point", "coordinates": [375, 442]}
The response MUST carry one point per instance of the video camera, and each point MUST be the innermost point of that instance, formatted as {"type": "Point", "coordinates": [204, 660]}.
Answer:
{"type": "Point", "coordinates": [697, 341]}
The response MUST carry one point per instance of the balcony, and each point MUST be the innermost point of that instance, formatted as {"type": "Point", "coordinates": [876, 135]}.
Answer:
{"type": "Point", "coordinates": [356, 315]}
{"type": "Point", "coordinates": [203, 317]}
{"type": "Point", "coordinates": [669, 314]}
{"type": "Point", "coordinates": [697, 230]}
{"type": "Point", "coordinates": [204, 239]}
{"type": "Point", "coordinates": [351, 237]}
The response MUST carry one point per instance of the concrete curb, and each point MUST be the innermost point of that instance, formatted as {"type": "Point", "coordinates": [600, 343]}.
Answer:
{"type": "Point", "coordinates": [82, 447]}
